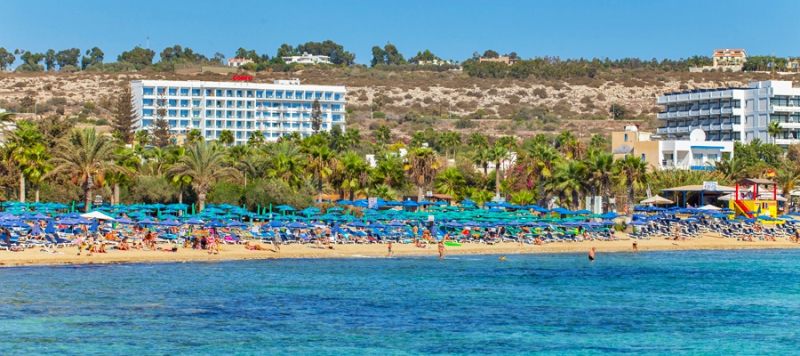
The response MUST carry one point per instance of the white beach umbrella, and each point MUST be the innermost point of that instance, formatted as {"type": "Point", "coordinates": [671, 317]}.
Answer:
{"type": "Point", "coordinates": [96, 215]}
{"type": "Point", "coordinates": [709, 207]}
{"type": "Point", "coordinates": [656, 200]}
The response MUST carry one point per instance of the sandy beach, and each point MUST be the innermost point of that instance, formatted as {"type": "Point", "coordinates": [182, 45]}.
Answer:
{"type": "Point", "coordinates": [67, 256]}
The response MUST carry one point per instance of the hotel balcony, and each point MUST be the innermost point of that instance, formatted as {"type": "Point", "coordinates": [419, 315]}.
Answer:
{"type": "Point", "coordinates": [662, 130]}
{"type": "Point", "coordinates": [727, 126]}
{"type": "Point", "coordinates": [789, 125]}
{"type": "Point", "coordinates": [787, 141]}
{"type": "Point", "coordinates": [715, 127]}
{"type": "Point", "coordinates": [683, 113]}
{"type": "Point", "coordinates": [781, 108]}
{"type": "Point", "coordinates": [727, 110]}
{"type": "Point", "coordinates": [704, 112]}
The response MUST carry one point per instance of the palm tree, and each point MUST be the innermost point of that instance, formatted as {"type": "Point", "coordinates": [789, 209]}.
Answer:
{"type": "Point", "coordinates": [194, 136]}
{"type": "Point", "coordinates": [787, 176]}
{"type": "Point", "coordinates": [285, 161]}
{"type": "Point", "coordinates": [141, 137]}
{"type": "Point", "coordinates": [632, 173]}
{"type": "Point", "coordinates": [321, 161]}
{"type": "Point", "coordinates": [256, 139]}
{"type": "Point", "coordinates": [545, 158]}
{"type": "Point", "coordinates": [87, 156]}
{"type": "Point", "coordinates": [382, 191]}
{"type": "Point", "coordinates": [389, 171]}
{"type": "Point", "coordinates": [450, 182]}
{"type": "Point", "coordinates": [204, 164]}
{"type": "Point", "coordinates": [732, 169]}
{"type": "Point", "coordinates": [128, 161]}
{"type": "Point", "coordinates": [481, 197]}
{"type": "Point", "coordinates": [7, 117]}
{"type": "Point", "coordinates": [601, 171]}
{"type": "Point", "coordinates": [354, 171]}
{"type": "Point", "coordinates": [478, 141]}
{"type": "Point", "coordinates": [451, 140]}
{"type": "Point", "coordinates": [24, 138]}
{"type": "Point", "coordinates": [238, 154]}
{"type": "Point", "coordinates": [481, 159]}
{"type": "Point", "coordinates": [158, 159]}
{"type": "Point", "coordinates": [774, 129]}
{"type": "Point", "coordinates": [421, 167]}
{"type": "Point", "coordinates": [35, 164]}
{"type": "Point", "coordinates": [226, 138]}
{"type": "Point", "coordinates": [382, 135]}
{"type": "Point", "coordinates": [497, 154]}
{"type": "Point", "coordinates": [522, 197]}
{"type": "Point", "coordinates": [569, 182]}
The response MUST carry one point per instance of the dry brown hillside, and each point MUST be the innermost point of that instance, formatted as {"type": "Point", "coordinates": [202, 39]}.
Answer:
{"type": "Point", "coordinates": [581, 103]}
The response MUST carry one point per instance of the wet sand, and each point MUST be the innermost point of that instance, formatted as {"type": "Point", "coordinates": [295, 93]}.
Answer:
{"type": "Point", "coordinates": [66, 256]}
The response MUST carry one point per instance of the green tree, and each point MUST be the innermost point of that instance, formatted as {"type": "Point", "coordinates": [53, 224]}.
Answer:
{"type": "Point", "coordinates": [50, 59]}
{"type": "Point", "coordinates": [194, 136]}
{"type": "Point", "coordinates": [316, 116]}
{"type": "Point", "coordinates": [138, 56]}
{"type": "Point", "coordinates": [422, 166]}
{"type": "Point", "coordinates": [226, 138]}
{"type": "Point", "coordinates": [87, 156]}
{"type": "Point", "coordinates": [322, 161]}
{"type": "Point", "coordinates": [161, 132]}
{"type": "Point", "coordinates": [478, 141]}
{"type": "Point", "coordinates": [450, 182]}
{"type": "Point", "coordinates": [382, 135]}
{"type": "Point", "coordinates": [204, 165]}
{"type": "Point", "coordinates": [256, 139]}
{"type": "Point", "coordinates": [35, 164]}
{"type": "Point", "coordinates": [389, 170]}
{"type": "Point", "coordinates": [68, 57]}
{"type": "Point", "coordinates": [618, 111]}
{"type": "Point", "coordinates": [124, 115]}
{"type": "Point", "coordinates": [127, 161]}
{"type": "Point", "coordinates": [774, 129]}
{"type": "Point", "coordinates": [22, 140]}
{"type": "Point", "coordinates": [355, 173]}
{"type": "Point", "coordinates": [497, 154]}
{"type": "Point", "coordinates": [601, 173]}
{"type": "Point", "coordinates": [141, 137]}
{"type": "Point", "coordinates": [6, 59]}
{"type": "Point", "coordinates": [632, 172]}
{"type": "Point", "coordinates": [569, 182]}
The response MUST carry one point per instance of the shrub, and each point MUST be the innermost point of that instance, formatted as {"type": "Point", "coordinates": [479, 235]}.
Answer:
{"type": "Point", "coordinates": [540, 92]}
{"type": "Point", "coordinates": [378, 115]}
{"type": "Point", "coordinates": [465, 123]}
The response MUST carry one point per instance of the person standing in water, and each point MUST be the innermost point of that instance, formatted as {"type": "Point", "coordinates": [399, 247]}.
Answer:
{"type": "Point", "coordinates": [635, 246]}
{"type": "Point", "coordinates": [441, 250]}
{"type": "Point", "coordinates": [591, 255]}
{"type": "Point", "coordinates": [390, 254]}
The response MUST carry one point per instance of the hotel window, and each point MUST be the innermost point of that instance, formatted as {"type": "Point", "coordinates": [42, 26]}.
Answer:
{"type": "Point", "coordinates": [249, 93]}
{"type": "Point", "coordinates": [229, 114]}
{"type": "Point", "coordinates": [209, 92]}
{"type": "Point", "coordinates": [172, 113]}
{"type": "Point", "coordinates": [279, 94]}
{"type": "Point", "coordinates": [229, 124]}
{"type": "Point", "coordinates": [184, 103]}
{"type": "Point", "coordinates": [249, 104]}
{"type": "Point", "coordinates": [184, 92]}
{"type": "Point", "coordinates": [239, 104]}
{"type": "Point", "coordinates": [238, 93]}
{"type": "Point", "coordinates": [147, 91]}
{"type": "Point", "coordinates": [147, 122]}
{"type": "Point", "coordinates": [327, 96]}
{"type": "Point", "coordinates": [337, 96]}
{"type": "Point", "coordinates": [219, 113]}
{"type": "Point", "coordinates": [196, 123]}
{"type": "Point", "coordinates": [229, 93]}
{"type": "Point", "coordinates": [306, 115]}
{"type": "Point", "coordinates": [337, 117]}
{"type": "Point", "coordinates": [196, 103]}
{"type": "Point", "coordinates": [289, 95]}
{"type": "Point", "coordinates": [268, 94]}
{"type": "Point", "coordinates": [712, 157]}
{"type": "Point", "coordinates": [324, 126]}
{"type": "Point", "coordinates": [219, 124]}
{"type": "Point", "coordinates": [183, 123]}
{"type": "Point", "coordinates": [317, 95]}
{"type": "Point", "coordinates": [309, 95]}
{"type": "Point", "coordinates": [643, 157]}
{"type": "Point", "coordinates": [173, 103]}
{"type": "Point", "coordinates": [195, 92]}
{"type": "Point", "coordinates": [259, 94]}
{"type": "Point", "coordinates": [147, 112]}
{"type": "Point", "coordinates": [239, 114]}
{"type": "Point", "coordinates": [173, 92]}
{"type": "Point", "coordinates": [147, 102]}
{"type": "Point", "coordinates": [184, 113]}
{"type": "Point", "coordinates": [247, 125]}
{"type": "Point", "coordinates": [238, 134]}
{"type": "Point", "coordinates": [172, 123]}
{"type": "Point", "coordinates": [736, 104]}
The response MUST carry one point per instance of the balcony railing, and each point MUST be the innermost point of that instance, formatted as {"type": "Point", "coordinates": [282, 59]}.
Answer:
{"type": "Point", "coordinates": [727, 126]}
{"type": "Point", "coordinates": [715, 127]}
{"type": "Point", "coordinates": [662, 115]}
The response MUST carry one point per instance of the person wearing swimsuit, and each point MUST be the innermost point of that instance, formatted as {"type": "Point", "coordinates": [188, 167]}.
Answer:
{"type": "Point", "coordinates": [591, 255]}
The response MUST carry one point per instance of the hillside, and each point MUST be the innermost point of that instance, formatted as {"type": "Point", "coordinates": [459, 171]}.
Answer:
{"type": "Point", "coordinates": [410, 100]}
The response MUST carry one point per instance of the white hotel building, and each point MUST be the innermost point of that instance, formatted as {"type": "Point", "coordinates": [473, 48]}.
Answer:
{"type": "Point", "coordinates": [277, 109]}
{"type": "Point", "coordinates": [733, 114]}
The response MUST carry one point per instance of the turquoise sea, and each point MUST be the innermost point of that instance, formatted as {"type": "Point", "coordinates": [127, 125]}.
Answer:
{"type": "Point", "coordinates": [668, 303]}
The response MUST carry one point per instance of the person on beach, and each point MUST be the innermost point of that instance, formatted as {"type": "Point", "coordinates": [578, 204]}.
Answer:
{"type": "Point", "coordinates": [796, 235]}
{"type": "Point", "coordinates": [212, 242]}
{"type": "Point", "coordinates": [635, 246]}
{"type": "Point", "coordinates": [390, 254]}
{"type": "Point", "coordinates": [591, 255]}
{"type": "Point", "coordinates": [276, 242]}
{"type": "Point", "coordinates": [123, 246]}
{"type": "Point", "coordinates": [256, 247]}
{"type": "Point", "coordinates": [79, 242]}
{"type": "Point", "coordinates": [441, 250]}
{"type": "Point", "coordinates": [520, 239]}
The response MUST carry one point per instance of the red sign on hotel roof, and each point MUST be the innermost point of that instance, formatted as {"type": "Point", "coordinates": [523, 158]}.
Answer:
{"type": "Point", "coordinates": [242, 78]}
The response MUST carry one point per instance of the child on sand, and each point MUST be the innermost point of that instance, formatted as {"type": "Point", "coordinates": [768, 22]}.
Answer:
{"type": "Point", "coordinates": [441, 250]}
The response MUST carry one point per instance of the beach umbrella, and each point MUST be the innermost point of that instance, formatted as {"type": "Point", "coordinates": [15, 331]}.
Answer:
{"type": "Point", "coordinates": [193, 221]}
{"type": "Point", "coordinates": [656, 200]}
{"type": "Point", "coordinates": [216, 224]}
{"type": "Point", "coordinates": [146, 221]}
{"type": "Point", "coordinates": [94, 226]}
{"type": "Point", "coordinates": [275, 223]}
{"type": "Point", "coordinates": [124, 220]}
{"type": "Point", "coordinates": [297, 225]}
{"type": "Point", "coordinates": [96, 215]}
{"type": "Point", "coordinates": [49, 229]}
{"type": "Point", "coordinates": [169, 223]}
{"type": "Point", "coordinates": [237, 224]}
{"type": "Point", "coordinates": [36, 230]}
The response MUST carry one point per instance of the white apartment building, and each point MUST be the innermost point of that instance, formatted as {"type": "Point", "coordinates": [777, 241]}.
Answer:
{"type": "Point", "coordinates": [276, 110]}
{"type": "Point", "coordinates": [306, 58]}
{"type": "Point", "coordinates": [694, 153]}
{"type": "Point", "coordinates": [733, 114]}
{"type": "Point", "coordinates": [729, 57]}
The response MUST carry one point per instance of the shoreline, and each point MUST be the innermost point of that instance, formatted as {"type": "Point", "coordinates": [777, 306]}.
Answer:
{"type": "Point", "coordinates": [68, 256]}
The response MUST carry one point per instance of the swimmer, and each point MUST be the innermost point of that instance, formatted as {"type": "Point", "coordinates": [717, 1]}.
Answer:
{"type": "Point", "coordinates": [441, 250]}
{"type": "Point", "coordinates": [503, 258]}
{"type": "Point", "coordinates": [591, 255]}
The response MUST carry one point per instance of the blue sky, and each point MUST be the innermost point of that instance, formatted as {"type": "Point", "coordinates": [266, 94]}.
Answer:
{"type": "Point", "coordinates": [450, 29]}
